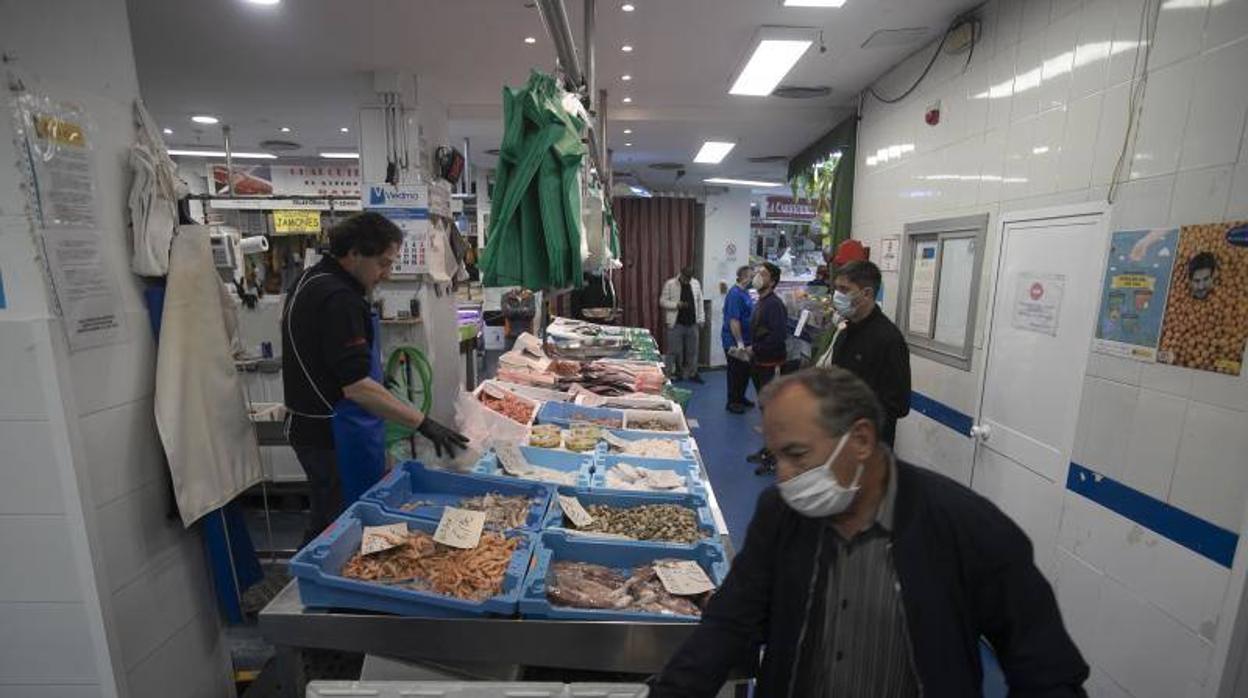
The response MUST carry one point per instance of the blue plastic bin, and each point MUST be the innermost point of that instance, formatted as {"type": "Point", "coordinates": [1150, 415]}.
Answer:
{"type": "Point", "coordinates": [688, 468]}
{"type": "Point", "coordinates": [566, 461]}
{"type": "Point", "coordinates": [619, 555]}
{"type": "Point", "coordinates": [564, 413]}
{"type": "Point", "coordinates": [317, 568]}
{"type": "Point", "coordinates": [615, 498]}
{"type": "Point", "coordinates": [412, 482]}
{"type": "Point", "coordinates": [686, 443]}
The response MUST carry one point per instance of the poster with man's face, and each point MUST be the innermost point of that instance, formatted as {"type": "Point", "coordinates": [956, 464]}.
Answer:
{"type": "Point", "coordinates": [1206, 318]}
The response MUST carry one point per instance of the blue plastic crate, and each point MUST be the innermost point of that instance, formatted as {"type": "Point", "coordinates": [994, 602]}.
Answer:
{"type": "Point", "coordinates": [412, 482]}
{"type": "Point", "coordinates": [686, 443]}
{"type": "Point", "coordinates": [621, 556]}
{"type": "Point", "coordinates": [689, 468]}
{"type": "Point", "coordinates": [317, 568]}
{"type": "Point", "coordinates": [566, 461]}
{"type": "Point", "coordinates": [616, 498]}
{"type": "Point", "coordinates": [564, 413]}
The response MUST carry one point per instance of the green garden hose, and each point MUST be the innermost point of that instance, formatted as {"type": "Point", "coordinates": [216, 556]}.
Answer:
{"type": "Point", "coordinates": [409, 377]}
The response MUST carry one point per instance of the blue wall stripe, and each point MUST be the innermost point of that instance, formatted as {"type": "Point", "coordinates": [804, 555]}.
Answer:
{"type": "Point", "coordinates": [1191, 532]}
{"type": "Point", "coordinates": [941, 412]}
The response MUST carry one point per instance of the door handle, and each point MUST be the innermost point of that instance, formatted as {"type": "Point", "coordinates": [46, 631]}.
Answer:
{"type": "Point", "coordinates": [981, 432]}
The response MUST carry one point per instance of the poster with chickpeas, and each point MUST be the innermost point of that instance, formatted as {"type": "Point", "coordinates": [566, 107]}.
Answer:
{"type": "Point", "coordinates": [1205, 326]}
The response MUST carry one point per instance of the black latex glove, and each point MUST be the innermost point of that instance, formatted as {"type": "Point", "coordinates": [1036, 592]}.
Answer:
{"type": "Point", "coordinates": [442, 437]}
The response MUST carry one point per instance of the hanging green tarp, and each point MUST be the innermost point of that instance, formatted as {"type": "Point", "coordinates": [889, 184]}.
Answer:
{"type": "Point", "coordinates": [535, 234]}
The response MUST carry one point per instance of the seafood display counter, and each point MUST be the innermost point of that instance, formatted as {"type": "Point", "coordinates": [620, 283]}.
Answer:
{"type": "Point", "coordinates": [613, 584]}
{"type": "Point", "coordinates": [631, 647]}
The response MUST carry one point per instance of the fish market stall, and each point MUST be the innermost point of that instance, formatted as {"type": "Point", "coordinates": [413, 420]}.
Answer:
{"type": "Point", "coordinates": [591, 535]}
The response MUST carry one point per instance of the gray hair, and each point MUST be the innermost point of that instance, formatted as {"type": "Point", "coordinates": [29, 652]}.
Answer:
{"type": "Point", "coordinates": [843, 397]}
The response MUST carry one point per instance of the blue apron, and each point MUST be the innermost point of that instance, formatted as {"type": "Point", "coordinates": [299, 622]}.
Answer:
{"type": "Point", "coordinates": [360, 436]}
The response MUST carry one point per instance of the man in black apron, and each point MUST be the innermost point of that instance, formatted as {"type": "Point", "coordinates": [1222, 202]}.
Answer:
{"type": "Point", "coordinates": [331, 370]}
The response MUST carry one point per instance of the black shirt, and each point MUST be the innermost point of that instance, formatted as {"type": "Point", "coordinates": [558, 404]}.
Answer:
{"type": "Point", "coordinates": [768, 327]}
{"type": "Point", "coordinates": [874, 350]}
{"type": "Point", "coordinates": [687, 315]}
{"type": "Point", "coordinates": [326, 333]}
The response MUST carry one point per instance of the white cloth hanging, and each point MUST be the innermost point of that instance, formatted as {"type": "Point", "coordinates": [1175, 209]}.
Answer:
{"type": "Point", "coordinates": [154, 193]}
{"type": "Point", "coordinates": [201, 409]}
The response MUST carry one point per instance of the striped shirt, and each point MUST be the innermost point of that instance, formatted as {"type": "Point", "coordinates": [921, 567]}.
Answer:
{"type": "Point", "coordinates": [865, 644]}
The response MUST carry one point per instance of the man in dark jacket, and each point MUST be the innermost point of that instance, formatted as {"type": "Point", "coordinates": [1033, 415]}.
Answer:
{"type": "Point", "coordinates": [864, 576]}
{"type": "Point", "coordinates": [768, 329]}
{"type": "Point", "coordinates": [869, 345]}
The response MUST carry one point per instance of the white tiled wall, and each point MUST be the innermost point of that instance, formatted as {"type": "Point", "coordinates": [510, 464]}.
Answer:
{"type": "Point", "coordinates": [727, 221]}
{"type": "Point", "coordinates": [101, 588]}
{"type": "Point", "coordinates": [1039, 119]}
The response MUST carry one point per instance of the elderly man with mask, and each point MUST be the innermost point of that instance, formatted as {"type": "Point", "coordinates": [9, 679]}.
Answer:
{"type": "Point", "coordinates": [862, 575]}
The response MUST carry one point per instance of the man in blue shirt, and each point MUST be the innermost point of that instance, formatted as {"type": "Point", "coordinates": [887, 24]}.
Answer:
{"type": "Point", "coordinates": [738, 307]}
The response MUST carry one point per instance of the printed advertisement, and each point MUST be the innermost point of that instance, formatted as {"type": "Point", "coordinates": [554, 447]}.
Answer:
{"type": "Point", "coordinates": [286, 180]}
{"type": "Point", "coordinates": [1134, 292]}
{"type": "Point", "coordinates": [1206, 317]}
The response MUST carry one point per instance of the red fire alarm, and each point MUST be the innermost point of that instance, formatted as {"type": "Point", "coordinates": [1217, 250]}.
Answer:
{"type": "Point", "coordinates": [932, 116]}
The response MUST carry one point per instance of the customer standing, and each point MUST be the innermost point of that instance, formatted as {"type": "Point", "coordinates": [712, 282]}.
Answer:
{"type": "Point", "coordinates": [868, 344]}
{"type": "Point", "coordinates": [865, 577]}
{"type": "Point", "coordinates": [331, 372]}
{"type": "Point", "coordinates": [738, 306]}
{"type": "Point", "coordinates": [768, 328]}
{"type": "Point", "coordinates": [681, 301]}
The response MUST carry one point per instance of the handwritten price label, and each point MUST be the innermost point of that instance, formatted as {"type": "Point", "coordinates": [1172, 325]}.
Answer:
{"type": "Point", "coordinates": [460, 528]}
{"type": "Point", "coordinates": [379, 538]}
{"type": "Point", "coordinates": [683, 577]}
{"type": "Point", "coordinates": [512, 459]}
{"type": "Point", "coordinates": [574, 511]}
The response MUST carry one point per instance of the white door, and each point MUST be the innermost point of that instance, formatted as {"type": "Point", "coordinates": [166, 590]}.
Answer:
{"type": "Point", "coordinates": [1043, 312]}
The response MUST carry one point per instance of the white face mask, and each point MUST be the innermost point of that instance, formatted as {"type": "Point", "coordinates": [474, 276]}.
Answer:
{"type": "Point", "coordinates": [816, 493]}
{"type": "Point", "coordinates": [759, 283]}
{"type": "Point", "coordinates": [842, 303]}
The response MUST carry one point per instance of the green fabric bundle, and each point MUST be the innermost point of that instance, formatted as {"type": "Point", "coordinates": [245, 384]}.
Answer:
{"type": "Point", "coordinates": [535, 233]}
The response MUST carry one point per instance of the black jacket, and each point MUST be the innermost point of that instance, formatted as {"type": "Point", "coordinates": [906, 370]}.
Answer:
{"type": "Point", "coordinates": [965, 570]}
{"type": "Point", "coordinates": [768, 328]}
{"type": "Point", "coordinates": [874, 350]}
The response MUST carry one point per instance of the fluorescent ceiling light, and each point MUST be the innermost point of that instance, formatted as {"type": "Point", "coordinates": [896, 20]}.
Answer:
{"type": "Point", "coordinates": [713, 152]}
{"type": "Point", "coordinates": [167, 131]}
{"type": "Point", "coordinates": [264, 2]}
{"type": "Point", "coordinates": [221, 153]}
{"type": "Point", "coordinates": [812, 3]}
{"type": "Point", "coordinates": [284, 129]}
{"type": "Point", "coordinates": [628, 131]}
{"type": "Point", "coordinates": [205, 119]}
{"type": "Point", "coordinates": [628, 7]}
{"type": "Point", "coordinates": [530, 40]}
{"type": "Point", "coordinates": [627, 100]}
{"type": "Point", "coordinates": [626, 78]}
{"type": "Point", "coordinates": [626, 48]}
{"type": "Point", "coordinates": [628, 145]}
{"type": "Point", "coordinates": [344, 129]}
{"type": "Point", "coordinates": [741, 182]}
{"type": "Point", "coordinates": [775, 51]}
{"type": "Point", "coordinates": [341, 156]}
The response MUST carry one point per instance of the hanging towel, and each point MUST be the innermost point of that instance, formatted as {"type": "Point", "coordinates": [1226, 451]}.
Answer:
{"type": "Point", "coordinates": [201, 410]}
{"type": "Point", "coordinates": [154, 193]}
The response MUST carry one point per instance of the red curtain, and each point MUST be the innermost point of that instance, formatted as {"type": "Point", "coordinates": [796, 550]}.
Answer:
{"type": "Point", "coordinates": [656, 240]}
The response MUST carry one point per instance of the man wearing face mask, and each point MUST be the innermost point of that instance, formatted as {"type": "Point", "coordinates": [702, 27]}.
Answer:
{"type": "Point", "coordinates": [768, 329]}
{"type": "Point", "coordinates": [868, 344]}
{"type": "Point", "coordinates": [862, 575]}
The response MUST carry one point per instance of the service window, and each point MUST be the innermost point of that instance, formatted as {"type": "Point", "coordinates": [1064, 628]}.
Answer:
{"type": "Point", "coordinates": [941, 262]}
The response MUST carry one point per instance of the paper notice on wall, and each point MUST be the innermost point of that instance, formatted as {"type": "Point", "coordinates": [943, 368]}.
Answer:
{"type": "Point", "coordinates": [62, 163]}
{"type": "Point", "coordinates": [85, 289]}
{"type": "Point", "coordinates": [890, 253]}
{"type": "Point", "coordinates": [923, 288]}
{"type": "Point", "coordinates": [1038, 302]}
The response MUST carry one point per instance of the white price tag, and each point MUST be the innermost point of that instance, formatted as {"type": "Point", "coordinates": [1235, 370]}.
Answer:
{"type": "Point", "coordinates": [615, 441]}
{"type": "Point", "coordinates": [683, 577]}
{"type": "Point", "coordinates": [460, 528]}
{"type": "Point", "coordinates": [574, 511]}
{"type": "Point", "coordinates": [379, 538]}
{"type": "Point", "coordinates": [801, 323]}
{"type": "Point", "coordinates": [512, 459]}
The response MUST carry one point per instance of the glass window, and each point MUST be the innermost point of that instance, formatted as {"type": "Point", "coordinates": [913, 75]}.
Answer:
{"type": "Point", "coordinates": [940, 286]}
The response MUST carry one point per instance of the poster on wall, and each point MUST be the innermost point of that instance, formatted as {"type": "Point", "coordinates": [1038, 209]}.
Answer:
{"type": "Point", "coordinates": [62, 163]}
{"type": "Point", "coordinates": [408, 207]}
{"type": "Point", "coordinates": [286, 180]}
{"type": "Point", "coordinates": [1038, 302]}
{"type": "Point", "coordinates": [1205, 325]}
{"type": "Point", "coordinates": [923, 288]}
{"type": "Point", "coordinates": [85, 290]}
{"type": "Point", "coordinates": [1134, 292]}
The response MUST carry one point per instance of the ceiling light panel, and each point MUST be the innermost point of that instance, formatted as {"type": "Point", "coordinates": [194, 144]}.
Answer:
{"type": "Point", "coordinates": [727, 181]}
{"type": "Point", "coordinates": [242, 155]}
{"type": "Point", "coordinates": [713, 152]}
{"type": "Point", "coordinates": [340, 156]}
{"type": "Point", "coordinates": [774, 52]}
{"type": "Point", "coordinates": [202, 119]}
{"type": "Point", "coordinates": [812, 3]}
